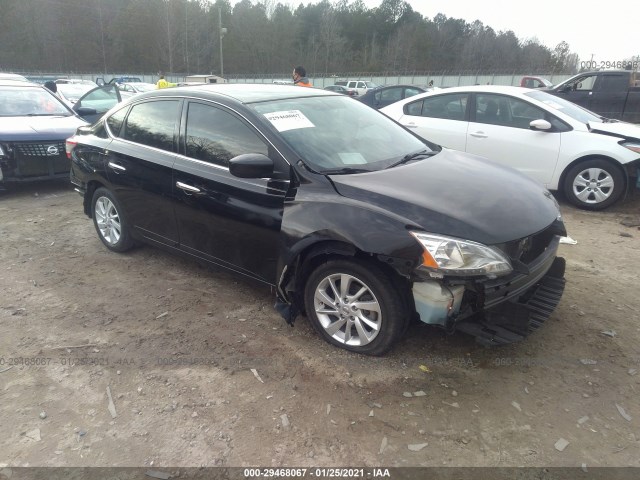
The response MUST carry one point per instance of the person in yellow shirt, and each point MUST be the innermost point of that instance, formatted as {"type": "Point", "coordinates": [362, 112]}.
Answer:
{"type": "Point", "coordinates": [162, 83]}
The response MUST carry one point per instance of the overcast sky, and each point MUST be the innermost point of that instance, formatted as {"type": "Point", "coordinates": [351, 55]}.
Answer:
{"type": "Point", "coordinates": [606, 30]}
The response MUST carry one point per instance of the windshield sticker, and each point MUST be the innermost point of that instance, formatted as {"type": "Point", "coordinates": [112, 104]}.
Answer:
{"type": "Point", "coordinates": [352, 158]}
{"type": "Point", "coordinates": [288, 120]}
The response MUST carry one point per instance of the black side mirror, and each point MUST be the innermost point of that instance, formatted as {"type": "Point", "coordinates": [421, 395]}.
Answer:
{"type": "Point", "coordinates": [84, 111]}
{"type": "Point", "coordinates": [251, 165]}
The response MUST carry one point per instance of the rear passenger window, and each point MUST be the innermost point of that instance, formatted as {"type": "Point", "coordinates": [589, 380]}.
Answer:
{"type": "Point", "coordinates": [449, 107]}
{"type": "Point", "coordinates": [152, 124]}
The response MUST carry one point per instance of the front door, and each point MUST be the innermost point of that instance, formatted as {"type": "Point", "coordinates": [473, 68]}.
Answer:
{"type": "Point", "coordinates": [230, 221]}
{"type": "Point", "coordinates": [95, 103]}
{"type": "Point", "coordinates": [500, 131]}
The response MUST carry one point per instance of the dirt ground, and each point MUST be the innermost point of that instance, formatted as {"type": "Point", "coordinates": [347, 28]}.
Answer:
{"type": "Point", "coordinates": [174, 343]}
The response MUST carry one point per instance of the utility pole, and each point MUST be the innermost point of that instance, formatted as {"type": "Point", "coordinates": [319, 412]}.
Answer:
{"type": "Point", "coordinates": [222, 32]}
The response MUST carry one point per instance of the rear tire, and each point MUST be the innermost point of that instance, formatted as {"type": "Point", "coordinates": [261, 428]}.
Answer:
{"type": "Point", "coordinates": [594, 184]}
{"type": "Point", "coordinates": [354, 305]}
{"type": "Point", "coordinates": [110, 222]}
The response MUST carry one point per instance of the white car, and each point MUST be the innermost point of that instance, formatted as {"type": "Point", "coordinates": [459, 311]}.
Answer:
{"type": "Point", "coordinates": [136, 87]}
{"type": "Point", "coordinates": [591, 159]}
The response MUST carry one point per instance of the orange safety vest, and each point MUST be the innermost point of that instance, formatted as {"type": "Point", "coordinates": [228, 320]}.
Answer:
{"type": "Point", "coordinates": [303, 82]}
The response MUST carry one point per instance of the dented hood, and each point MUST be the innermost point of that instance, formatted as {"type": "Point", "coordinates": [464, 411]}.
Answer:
{"type": "Point", "coordinates": [627, 131]}
{"type": "Point", "coordinates": [456, 194]}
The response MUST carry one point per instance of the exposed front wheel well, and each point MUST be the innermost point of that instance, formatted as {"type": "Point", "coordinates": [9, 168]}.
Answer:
{"type": "Point", "coordinates": [314, 256]}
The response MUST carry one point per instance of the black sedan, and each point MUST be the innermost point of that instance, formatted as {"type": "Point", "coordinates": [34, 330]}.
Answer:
{"type": "Point", "coordinates": [34, 125]}
{"type": "Point", "coordinates": [383, 96]}
{"type": "Point", "coordinates": [352, 218]}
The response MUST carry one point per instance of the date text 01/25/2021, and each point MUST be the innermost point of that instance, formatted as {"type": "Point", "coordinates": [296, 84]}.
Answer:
{"type": "Point", "coordinates": [324, 472]}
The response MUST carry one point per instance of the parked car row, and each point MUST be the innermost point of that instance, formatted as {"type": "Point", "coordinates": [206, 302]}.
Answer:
{"type": "Point", "coordinates": [364, 223]}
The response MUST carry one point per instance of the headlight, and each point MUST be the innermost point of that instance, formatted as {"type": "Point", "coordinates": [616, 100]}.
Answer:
{"type": "Point", "coordinates": [452, 256]}
{"type": "Point", "coordinates": [633, 146]}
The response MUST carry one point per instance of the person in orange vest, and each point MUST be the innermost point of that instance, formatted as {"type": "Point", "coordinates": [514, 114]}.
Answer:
{"type": "Point", "coordinates": [300, 77]}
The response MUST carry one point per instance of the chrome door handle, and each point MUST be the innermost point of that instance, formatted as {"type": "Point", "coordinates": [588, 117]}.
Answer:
{"type": "Point", "coordinates": [115, 166]}
{"type": "Point", "coordinates": [479, 135]}
{"type": "Point", "coordinates": [187, 188]}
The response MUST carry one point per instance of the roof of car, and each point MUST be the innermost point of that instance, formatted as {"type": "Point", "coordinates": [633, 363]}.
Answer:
{"type": "Point", "coordinates": [13, 76]}
{"type": "Point", "coordinates": [17, 83]}
{"type": "Point", "coordinates": [246, 93]}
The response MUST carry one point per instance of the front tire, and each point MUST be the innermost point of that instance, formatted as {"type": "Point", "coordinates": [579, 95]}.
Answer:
{"type": "Point", "coordinates": [354, 305]}
{"type": "Point", "coordinates": [111, 225]}
{"type": "Point", "coordinates": [594, 184]}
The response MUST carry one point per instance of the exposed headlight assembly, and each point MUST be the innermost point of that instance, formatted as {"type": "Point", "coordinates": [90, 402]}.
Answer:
{"type": "Point", "coordinates": [456, 257]}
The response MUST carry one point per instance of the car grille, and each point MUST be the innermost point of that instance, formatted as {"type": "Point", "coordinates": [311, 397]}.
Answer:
{"type": "Point", "coordinates": [34, 159]}
{"type": "Point", "coordinates": [529, 248]}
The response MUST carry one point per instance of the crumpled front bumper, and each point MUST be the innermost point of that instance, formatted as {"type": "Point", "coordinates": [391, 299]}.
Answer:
{"type": "Point", "coordinates": [498, 311]}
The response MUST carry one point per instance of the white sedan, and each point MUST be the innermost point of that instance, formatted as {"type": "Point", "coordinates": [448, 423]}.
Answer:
{"type": "Point", "coordinates": [591, 159]}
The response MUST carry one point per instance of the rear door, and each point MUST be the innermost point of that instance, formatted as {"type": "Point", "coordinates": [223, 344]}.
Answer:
{"type": "Point", "coordinates": [230, 221]}
{"type": "Point", "coordinates": [441, 119]}
{"type": "Point", "coordinates": [139, 164]}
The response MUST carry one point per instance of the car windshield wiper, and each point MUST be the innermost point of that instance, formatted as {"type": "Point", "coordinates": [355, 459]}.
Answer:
{"type": "Point", "coordinates": [413, 156]}
{"type": "Point", "coordinates": [344, 170]}
{"type": "Point", "coordinates": [44, 115]}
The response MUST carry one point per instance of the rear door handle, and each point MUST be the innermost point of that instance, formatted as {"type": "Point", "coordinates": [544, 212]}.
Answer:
{"type": "Point", "coordinates": [116, 166]}
{"type": "Point", "coordinates": [187, 188]}
{"type": "Point", "coordinates": [411, 125]}
{"type": "Point", "coordinates": [479, 135]}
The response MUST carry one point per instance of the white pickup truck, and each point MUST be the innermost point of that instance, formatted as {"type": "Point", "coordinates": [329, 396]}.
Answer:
{"type": "Point", "coordinates": [360, 86]}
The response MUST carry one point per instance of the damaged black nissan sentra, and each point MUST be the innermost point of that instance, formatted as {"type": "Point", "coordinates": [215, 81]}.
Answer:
{"type": "Point", "coordinates": [356, 221]}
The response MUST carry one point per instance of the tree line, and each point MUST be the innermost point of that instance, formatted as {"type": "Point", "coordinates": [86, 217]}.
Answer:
{"type": "Point", "coordinates": [262, 37]}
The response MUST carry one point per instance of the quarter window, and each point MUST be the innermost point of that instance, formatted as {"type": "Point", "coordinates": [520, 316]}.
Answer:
{"type": "Point", "coordinates": [116, 120]}
{"type": "Point", "coordinates": [152, 124]}
{"type": "Point", "coordinates": [216, 136]}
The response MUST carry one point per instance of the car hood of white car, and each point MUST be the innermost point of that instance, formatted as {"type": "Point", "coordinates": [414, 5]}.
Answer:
{"type": "Point", "coordinates": [624, 130]}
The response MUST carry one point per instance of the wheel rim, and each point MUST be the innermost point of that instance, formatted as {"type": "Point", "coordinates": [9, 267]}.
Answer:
{"type": "Point", "coordinates": [108, 220]}
{"type": "Point", "coordinates": [593, 185]}
{"type": "Point", "coordinates": [347, 309]}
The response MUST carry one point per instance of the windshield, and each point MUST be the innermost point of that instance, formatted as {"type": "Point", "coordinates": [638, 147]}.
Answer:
{"type": "Point", "coordinates": [571, 109]}
{"type": "Point", "coordinates": [371, 85]}
{"type": "Point", "coordinates": [30, 101]}
{"type": "Point", "coordinates": [330, 133]}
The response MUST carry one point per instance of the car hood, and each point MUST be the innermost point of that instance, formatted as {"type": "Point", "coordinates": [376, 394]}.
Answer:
{"type": "Point", "coordinates": [456, 194]}
{"type": "Point", "coordinates": [625, 130]}
{"type": "Point", "coordinates": [38, 128]}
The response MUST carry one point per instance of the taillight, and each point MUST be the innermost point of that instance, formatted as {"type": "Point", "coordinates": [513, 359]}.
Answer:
{"type": "Point", "coordinates": [69, 145]}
